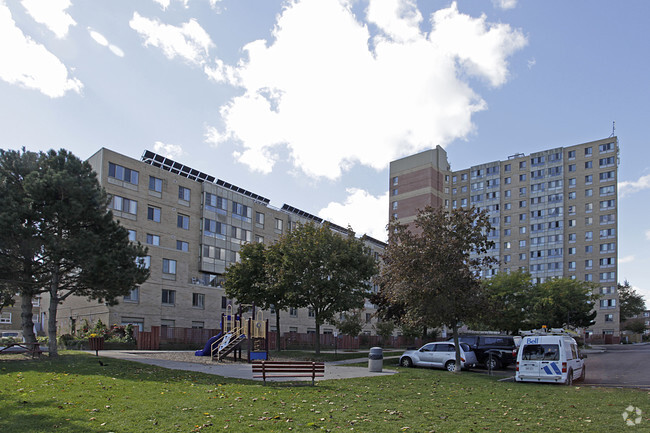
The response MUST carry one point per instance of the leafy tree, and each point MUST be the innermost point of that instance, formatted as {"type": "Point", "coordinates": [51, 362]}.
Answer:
{"type": "Point", "coordinates": [68, 241]}
{"type": "Point", "coordinates": [385, 329]}
{"type": "Point", "coordinates": [255, 280]}
{"type": "Point", "coordinates": [326, 271]}
{"type": "Point", "coordinates": [429, 270]}
{"type": "Point", "coordinates": [509, 296]}
{"type": "Point", "coordinates": [562, 302]}
{"type": "Point", "coordinates": [636, 325]}
{"type": "Point", "coordinates": [350, 324]}
{"type": "Point", "coordinates": [631, 302]}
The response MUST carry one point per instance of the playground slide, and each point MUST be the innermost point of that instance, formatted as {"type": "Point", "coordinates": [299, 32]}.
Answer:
{"type": "Point", "coordinates": [206, 350]}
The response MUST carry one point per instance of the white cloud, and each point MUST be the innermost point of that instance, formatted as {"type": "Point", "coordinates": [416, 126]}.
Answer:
{"type": "Point", "coordinates": [626, 259]}
{"type": "Point", "coordinates": [647, 234]}
{"type": "Point", "coordinates": [52, 14]}
{"type": "Point", "coordinates": [164, 4]}
{"type": "Point", "coordinates": [189, 41]}
{"type": "Point", "coordinates": [365, 213]}
{"type": "Point", "coordinates": [172, 151]}
{"type": "Point", "coordinates": [101, 40]}
{"type": "Point", "coordinates": [31, 65]}
{"type": "Point", "coordinates": [338, 98]}
{"type": "Point", "coordinates": [532, 62]}
{"type": "Point", "coordinates": [504, 4]}
{"type": "Point", "coordinates": [626, 188]}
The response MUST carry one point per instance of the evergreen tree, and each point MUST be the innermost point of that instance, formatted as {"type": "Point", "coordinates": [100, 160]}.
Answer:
{"type": "Point", "coordinates": [73, 245]}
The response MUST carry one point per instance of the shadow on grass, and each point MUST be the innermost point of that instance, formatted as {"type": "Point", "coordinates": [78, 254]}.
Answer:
{"type": "Point", "coordinates": [22, 415]}
{"type": "Point", "coordinates": [84, 364]}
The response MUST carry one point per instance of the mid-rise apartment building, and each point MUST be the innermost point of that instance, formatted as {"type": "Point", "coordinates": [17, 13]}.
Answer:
{"type": "Point", "coordinates": [554, 212]}
{"type": "Point", "coordinates": [193, 225]}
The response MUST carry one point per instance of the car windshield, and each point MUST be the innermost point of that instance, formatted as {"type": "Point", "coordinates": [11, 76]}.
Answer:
{"type": "Point", "coordinates": [541, 352]}
{"type": "Point", "coordinates": [465, 347]}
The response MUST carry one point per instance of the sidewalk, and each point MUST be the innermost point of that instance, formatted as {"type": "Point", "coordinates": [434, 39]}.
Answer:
{"type": "Point", "coordinates": [333, 370]}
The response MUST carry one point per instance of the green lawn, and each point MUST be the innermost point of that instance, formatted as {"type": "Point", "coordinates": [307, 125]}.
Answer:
{"type": "Point", "coordinates": [75, 394]}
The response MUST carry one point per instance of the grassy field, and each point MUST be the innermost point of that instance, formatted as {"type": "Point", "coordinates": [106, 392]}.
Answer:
{"type": "Point", "coordinates": [76, 394]}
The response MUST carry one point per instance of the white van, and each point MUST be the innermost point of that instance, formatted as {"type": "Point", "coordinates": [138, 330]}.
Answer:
{"type": "Point", "coordinates": [549, 357]}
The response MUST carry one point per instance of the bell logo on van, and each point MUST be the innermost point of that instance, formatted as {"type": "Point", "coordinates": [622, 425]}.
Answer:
{"type": "Point", "coordinates": [531, 340]}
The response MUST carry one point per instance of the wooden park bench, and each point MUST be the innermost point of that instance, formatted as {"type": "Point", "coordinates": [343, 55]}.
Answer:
{"type": "Point", "coordinates": [268, 369]}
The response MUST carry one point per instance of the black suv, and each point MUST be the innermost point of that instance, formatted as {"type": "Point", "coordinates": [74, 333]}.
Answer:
{"type": "Point", "coordinates": [491, 350]}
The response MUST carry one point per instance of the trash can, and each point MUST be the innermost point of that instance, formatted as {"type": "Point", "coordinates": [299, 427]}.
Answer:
{"type": "Point", "coordinates": [375, 359]}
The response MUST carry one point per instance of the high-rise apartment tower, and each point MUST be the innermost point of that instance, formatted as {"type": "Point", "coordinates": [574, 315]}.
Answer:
{"type": "Point", "coordinates": [554, 212]}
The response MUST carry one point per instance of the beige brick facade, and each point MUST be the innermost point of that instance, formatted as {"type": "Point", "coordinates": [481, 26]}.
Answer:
{"type": "Point", "coordinates": [193, 225]}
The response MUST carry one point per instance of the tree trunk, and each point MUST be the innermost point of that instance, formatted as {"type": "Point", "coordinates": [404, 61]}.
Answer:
{"type": "Point", "coordinates": [457, 346]}
{"type": "Point", "coordinates": [51, 320]}
{"type": "Point", "coordinates": [277, 332]}
{"type": "Point", "coordinates": [26, 314]}
{"type": "Point", "coordinates": [317, 344]}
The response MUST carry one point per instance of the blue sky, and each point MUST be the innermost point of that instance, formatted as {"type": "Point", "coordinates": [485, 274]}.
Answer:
{"type": "Point", "coordinates": [306, 102]}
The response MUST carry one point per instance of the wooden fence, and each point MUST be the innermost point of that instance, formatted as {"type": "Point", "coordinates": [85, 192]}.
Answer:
{"type": "Point", "coordinates": [152, 340]}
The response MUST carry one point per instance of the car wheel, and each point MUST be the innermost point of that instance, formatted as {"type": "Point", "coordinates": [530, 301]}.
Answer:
{"type": "Point", "coordinates": [451, 366]}
{"type": "Point", "coordinates": [569, 378]}
{"type": "Point", "coordinates": [406, 362]}
{"type": "Point", "coordinates": [493, 363]}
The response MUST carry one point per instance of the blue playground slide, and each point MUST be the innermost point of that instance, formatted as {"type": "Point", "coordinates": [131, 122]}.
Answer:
{"type": "Point", "coordinates": [206, 350]}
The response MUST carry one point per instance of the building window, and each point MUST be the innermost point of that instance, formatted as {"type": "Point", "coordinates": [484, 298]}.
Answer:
{"type": "Point", "coordinates": [214, 252]}
{"type": "Point", "coordinates": [183, 222]}
{"type": "Point", "coordinates": [522, 165]}
{"type": "Point", "coordinates": [198, 300]}
{"type": "Point", "coordinates": [168, 297]}
{"type": "Point", "coordinates": [155, 184]}
{"type": "Point", "coordinates": [607, 303]}
{"type": "Point", "coordinates": [607, 162]}
{"type": "Point", "coordinates": [153, 214]}
{"type": "Point", "coordinates": [589, 164]}
{"type": "Point", "coordinates": [144, 262]}
{"type": "Point", "coordinates": [214, 228]}
{"type": "Point", "coordinates": [522, 243]}
{"type": "Point", "coordinates": [184, 193]}
{"type": "Point", "coordinates": [522, 177]}
{"type": "Point", "coordinates": [572, 154]}
{"type": "Point", "coordinates": [395, 180]}
{"type": "Point", "coordinates": [589, 179]}
{"type": "Point", "coordinates": [122, 173]}
{"type": "Point", "coordinates": [241, 211]}
{"type": "Point", "coordinates": [572, 167]}
{"type": "Point", "coordinates": [132, 235]}
{"type": "Point", "coordinates": [133, 296]}
{"type": "Point", "coordinates": [153, 239]}
{"type": "Point", "coordinates": [5, 317]}
{"type": "Point", "coordinates": [215, 203]}
{"type": "Point", "coordinates": [293, 312]}
{"type": "Point", "coordinates": [588, 151]}
{"type": "Point", "coordinates": [259, 239]}
{"type": "Point", "coordinates": [182, 246]}
{"type": "Point", "coordinates": [311, 312]}
{"type": "Point", "coordinates": [507, 167]}
{"type": "Point", "coordinates": [198, 325]}
{"type": "Point", "coordinates": [169, 266]}
{"type": "Point", "coordinates": [259, 219]}
{"type": "Point", "coordinates": [126, 205]}
{"type": "Point", "coordinates": [609, 317]}
{"type": "Point", "coordinates": [279, 223]}
{"type": "Point", "coordinates": [241, 234]}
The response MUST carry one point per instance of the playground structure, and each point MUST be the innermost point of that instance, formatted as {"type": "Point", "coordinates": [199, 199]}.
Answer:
{"type": "Point", "coordinates": [233, 333]}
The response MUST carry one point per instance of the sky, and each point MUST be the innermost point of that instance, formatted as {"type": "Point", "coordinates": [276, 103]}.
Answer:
{"type": "Point", "coordinates": [306, 102]}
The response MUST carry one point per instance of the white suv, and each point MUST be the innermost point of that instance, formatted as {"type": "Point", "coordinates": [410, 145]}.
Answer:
{"type": "Point", "coordinates": [441, 355]}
